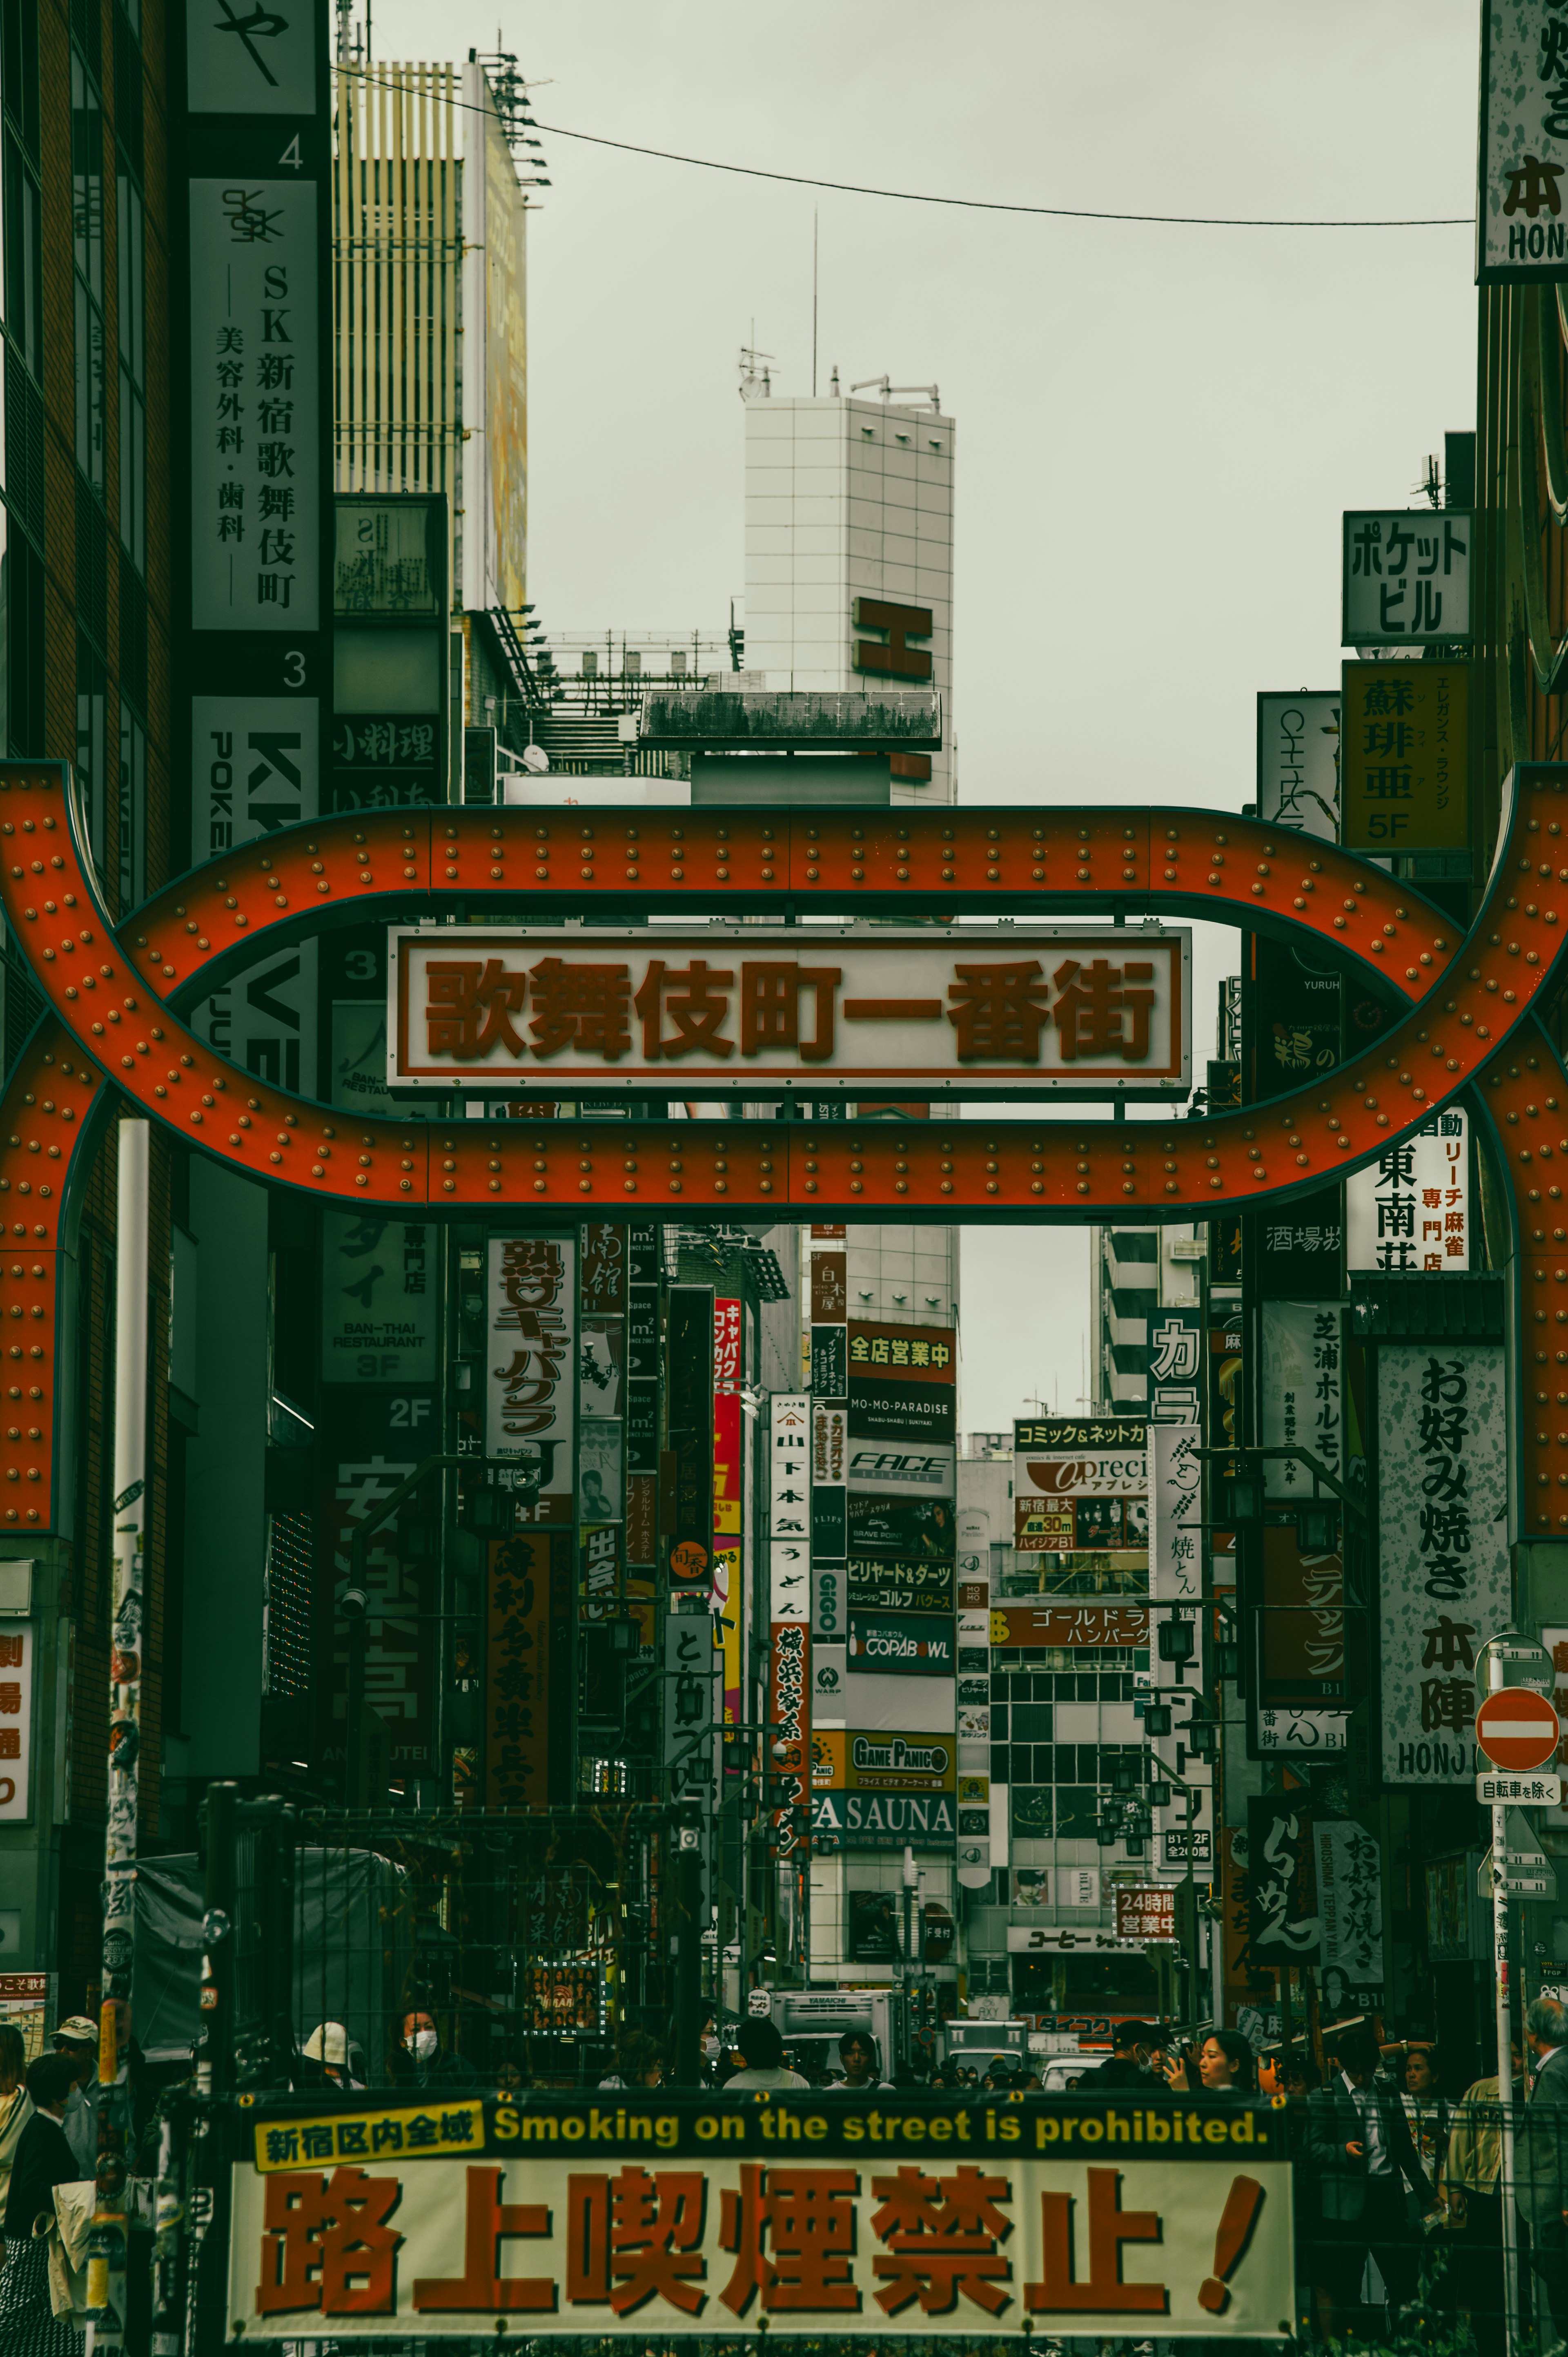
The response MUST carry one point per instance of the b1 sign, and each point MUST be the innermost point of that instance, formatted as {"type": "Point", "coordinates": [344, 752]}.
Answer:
{"type": "Point", "coordinates": [825, 1008]}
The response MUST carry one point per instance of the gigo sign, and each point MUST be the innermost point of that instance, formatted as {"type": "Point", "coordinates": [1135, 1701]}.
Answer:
{"type": "Point", "coordinates": [971, 1010]}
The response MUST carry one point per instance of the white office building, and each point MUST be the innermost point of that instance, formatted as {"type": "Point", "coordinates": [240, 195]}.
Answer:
{"type": "Point", "coordinates": [849, 536]}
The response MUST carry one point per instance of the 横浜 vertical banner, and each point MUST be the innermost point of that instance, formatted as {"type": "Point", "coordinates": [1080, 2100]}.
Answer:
{"type": "Point", "coordinates": [1443, 1584]}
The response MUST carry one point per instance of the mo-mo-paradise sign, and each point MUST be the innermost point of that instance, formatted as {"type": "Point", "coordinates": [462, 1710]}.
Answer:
{"type": "Point", "coordinates": [734, 2217]}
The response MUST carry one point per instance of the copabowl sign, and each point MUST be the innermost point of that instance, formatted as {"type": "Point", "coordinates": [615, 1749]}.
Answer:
{"type": "Point", "coordinates": [1441, 1491]}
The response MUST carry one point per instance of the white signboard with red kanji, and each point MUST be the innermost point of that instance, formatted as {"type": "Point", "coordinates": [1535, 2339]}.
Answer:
{"type": "Point", "coordinates": [462, 2219]}
{"type": "Point", "coordinates": [971, 1010]}
{"type": "Point", "coordinates": [1409, 1209]}
{"type": "Point", "coordinates": [16, 1639]}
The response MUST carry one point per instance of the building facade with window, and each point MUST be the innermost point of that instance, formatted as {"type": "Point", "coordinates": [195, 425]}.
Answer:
{"type": "Point", "coordinates": [85, 678]}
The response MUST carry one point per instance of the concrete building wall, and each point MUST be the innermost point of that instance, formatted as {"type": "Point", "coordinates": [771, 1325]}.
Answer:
{"type": "Point", "coordinates": [848, 499]}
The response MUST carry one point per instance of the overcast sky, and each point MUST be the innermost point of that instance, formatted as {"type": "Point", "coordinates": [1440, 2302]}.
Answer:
{"type": "Point", "coordinates": [1157, 428]}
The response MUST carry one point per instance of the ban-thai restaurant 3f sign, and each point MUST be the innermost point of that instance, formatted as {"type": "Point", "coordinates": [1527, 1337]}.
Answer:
{"type": "Point", "coordinates": [972, 1009]}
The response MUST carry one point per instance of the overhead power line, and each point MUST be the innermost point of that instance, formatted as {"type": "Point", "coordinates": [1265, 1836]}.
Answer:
{"type": "Point", "coordinates": [993, 205]}
{"type": "Point", "coordinates": [918, 197]}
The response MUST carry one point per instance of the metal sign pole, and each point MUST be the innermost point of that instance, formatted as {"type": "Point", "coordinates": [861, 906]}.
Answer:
{"type": "Point", "coordinates": [106, 2290]}
{"type": "Point", "coordinates": [1495, 1669]}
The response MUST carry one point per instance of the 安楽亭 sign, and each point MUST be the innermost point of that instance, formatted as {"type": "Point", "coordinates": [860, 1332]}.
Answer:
{"type": "Point", "coordinates": [965, 1009]}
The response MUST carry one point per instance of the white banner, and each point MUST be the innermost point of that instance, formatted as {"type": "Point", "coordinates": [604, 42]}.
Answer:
{"type": "Point", "coordinates": [1445, 1586]}
{"type": "Point", "coordinates": [255, 521]}
{"type": "Point", "coordinates": [530, 1377]}
{"type": "Point", "coordinates": [652, 2229]}
{"type": "Point", "coordinates": [1523, 210]}
{"type": "Point", "coordinates": [1409, 1209]}
{"type": "Point", "coordinates": [1298, 761]}
{"type": "Point", "coordinates": [971, 1008]}
{"type": "Point", "coordinates": [1300, 1393]}
{"type": "Point", "coordinates": [16, 1638]}
{"type": "Point", "coordinates": [1350, 1900]}
{"type": "Point", "coordinates": [1176, 1512]}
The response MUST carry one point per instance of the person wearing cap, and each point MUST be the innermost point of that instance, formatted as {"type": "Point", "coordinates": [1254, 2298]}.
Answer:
{"type": "Point", "coordinates": [77, 2040]}
{"type": "Point", "coordinates": [1129, 2067]}
{"type": "Point", "coordinates": [327, 2047]}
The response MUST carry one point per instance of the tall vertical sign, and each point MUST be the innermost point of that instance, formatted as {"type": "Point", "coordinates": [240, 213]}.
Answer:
{"type": "Point", "coordinates": [728, 1591]}
{"type": "Point", "coordinates": [601, 1421]}
{"type": "Point", "coordinates": [688, 1507]}
{"type": "Point", "coordinates": [642, 1425]}
{"type": "Point", "coordinates": [1443, 1584]}
{"type": "Point", "coordinates": [789, 1609]}
{"type": "Point", "coordinates": [252, 545]}
{"type": "Point", "coordinates": [531, 1375]}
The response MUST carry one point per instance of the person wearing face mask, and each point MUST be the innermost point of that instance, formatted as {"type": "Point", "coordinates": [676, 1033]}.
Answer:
{"type": "Point", "coordinates": [421, 2061]}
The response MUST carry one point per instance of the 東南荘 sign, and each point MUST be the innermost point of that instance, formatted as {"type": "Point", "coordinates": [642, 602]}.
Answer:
{"type": "Point", "coordinates": [971, 1010]}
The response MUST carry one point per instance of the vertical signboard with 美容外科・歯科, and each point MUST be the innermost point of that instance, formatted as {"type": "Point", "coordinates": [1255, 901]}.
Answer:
{"type": "Point", "coordinates": [1405, 756]}
{"type": "Point", "coordinates": [1444, 1581]}
{"type": "Point", "coordinates": [1522, 200]}
{"type": "Point", "coordinates": [252, 307]}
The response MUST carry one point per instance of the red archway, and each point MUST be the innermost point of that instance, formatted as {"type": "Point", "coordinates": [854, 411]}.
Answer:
{"type": "Point", "coordinates": [111, 1016]}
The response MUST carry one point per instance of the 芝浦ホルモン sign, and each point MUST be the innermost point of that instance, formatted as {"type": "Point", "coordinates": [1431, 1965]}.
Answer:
{"type": "Point", "coordinates": [791, 2217]}
{"type": "Point", "coordinates": [842, 1008]}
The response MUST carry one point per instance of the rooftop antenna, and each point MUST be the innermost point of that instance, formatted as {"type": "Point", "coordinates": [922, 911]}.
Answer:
{"type": "Point", "coordinates": [815, 209]}
{"type": "Point", "coordinates": [833, 381]}
{"type": "Point", "coordinates": [756, 385]}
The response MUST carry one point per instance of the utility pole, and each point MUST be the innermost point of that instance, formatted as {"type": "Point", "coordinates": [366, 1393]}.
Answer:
{"type": "Point", "coordinates": [106, 2288]}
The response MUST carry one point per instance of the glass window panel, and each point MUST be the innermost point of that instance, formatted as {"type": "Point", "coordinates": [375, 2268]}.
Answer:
{"type": "Point", "coordinates": [132, 473]}
{"type": "Point", "coordinates": [87, 177]}
{"type": "Point", "coordinates": [89, 390]}
{"type": "Point", "coordinates": [131, 259]}
{"type": "Point", "coordinates": [132, 820]}
{"type": "Point", "coordinates": [92, 778]}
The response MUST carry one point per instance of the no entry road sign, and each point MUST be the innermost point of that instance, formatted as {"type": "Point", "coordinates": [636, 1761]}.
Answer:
{"type": "Point", "coordinates": [1518, 1729]}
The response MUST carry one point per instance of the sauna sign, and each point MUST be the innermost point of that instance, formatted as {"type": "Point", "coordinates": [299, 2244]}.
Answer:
{"type": "Point", "coordinates": [974, 1009]}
